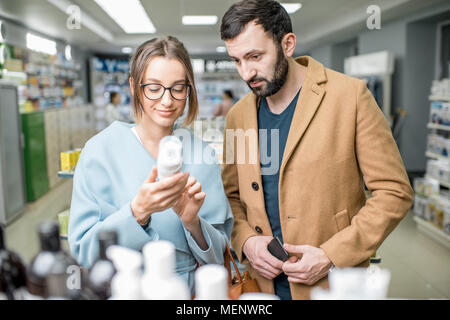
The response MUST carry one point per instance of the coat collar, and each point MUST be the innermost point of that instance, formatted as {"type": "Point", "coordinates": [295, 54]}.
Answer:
{"type": "Point", "coordinates": [308, 102]}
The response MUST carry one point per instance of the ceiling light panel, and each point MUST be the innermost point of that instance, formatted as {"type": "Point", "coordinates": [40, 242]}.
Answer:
{"type": "Point", "coordinates": [199, 20]}
{"type": "Point", "coordinates": [291, 7]}
{"type": "Point", "coordinates": [130, 15]}
{"type": "Point", "coordinates": [40, 44]}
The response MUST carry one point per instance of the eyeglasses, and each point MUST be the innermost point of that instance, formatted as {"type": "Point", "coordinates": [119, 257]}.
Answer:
{"type": "Point", "coordinates": [155, 91]}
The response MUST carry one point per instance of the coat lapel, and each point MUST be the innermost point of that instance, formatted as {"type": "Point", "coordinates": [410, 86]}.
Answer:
{"type": "Point", "coordinates": [251, 123]}
{"type": "Point", "coordinates": [254, 169]}
{"type": "Point", "coordinates": [309, 101]}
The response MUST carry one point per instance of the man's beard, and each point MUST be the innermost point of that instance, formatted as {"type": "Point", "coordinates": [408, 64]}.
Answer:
{"type": "Point", "coordinates": [279, 77]}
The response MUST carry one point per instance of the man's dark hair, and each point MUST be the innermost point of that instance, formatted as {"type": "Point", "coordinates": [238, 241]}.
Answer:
{"type": "Point", "coordinates": [269, 14]}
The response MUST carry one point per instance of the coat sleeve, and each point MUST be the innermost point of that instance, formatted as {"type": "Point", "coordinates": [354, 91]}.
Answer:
{"type": "Point", "coordinates": [216, 218]}
{"type": "Point", "coordinates": [384, 175]}
{"type": "Point", "coordinates": [87, 218]}
{"type": "Point", "coordinates": [241, 229]}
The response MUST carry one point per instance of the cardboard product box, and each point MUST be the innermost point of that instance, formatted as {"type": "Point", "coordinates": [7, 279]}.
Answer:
{"type": "Point", "coordinates": [68, 160]}
{"type": "Point", "coordinates": [420, 205]}
{"type": "Point", "coordinates": [445, 113]}
{"type": "Point", "coordinates": [431, 188]}
{"type": "Point", "coordinates": [436, 112]}
{"type": "Point", "coordinates": [430, 210]}
{"type": "Point", "coordinates": [439, 215]}
{"type": "Point", "coordinates": [419, 186]}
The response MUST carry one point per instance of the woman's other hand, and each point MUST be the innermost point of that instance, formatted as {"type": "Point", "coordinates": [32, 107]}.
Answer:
{"type": "Point", "coordinates": [189, 204]}
{"type": "Point", "coordinates": [155, 196]}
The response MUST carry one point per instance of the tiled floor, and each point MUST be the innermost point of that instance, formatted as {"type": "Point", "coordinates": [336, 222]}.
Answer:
{"type": "Point", "coordinates": [420, 267]}
{"type": "Point", "coordinates": [21, 235]}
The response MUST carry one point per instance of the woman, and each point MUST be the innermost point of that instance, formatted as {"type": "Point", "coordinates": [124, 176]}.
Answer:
{"type": "Point", "coordinates": [112, 112]}
{"type": "Point", "coordinates": [115, 182]}
{"type": "Point", "coordinates": [223, 108]}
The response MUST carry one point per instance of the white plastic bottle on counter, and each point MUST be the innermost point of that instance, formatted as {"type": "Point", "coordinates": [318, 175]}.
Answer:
{"type": "Point", "coordinates": [355, 284]}
{"type": "Point", "coordinates": [126, 284]}
{"type": "Point", "coordinates": [211, 283]}
{"type": "Point", "coordinates": [160, 282]}
{"type": "Point", "coordinates": [258, 296]}
{"type": "Point", "coordinates": [170, 158]}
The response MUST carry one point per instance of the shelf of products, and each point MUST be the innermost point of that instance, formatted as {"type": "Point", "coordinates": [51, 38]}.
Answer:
{"type": "Point", "coordinates": [438, 145]}
{"type": "Point", "coordinates": [436, 156]}
{"type": "Point", "coordinates": [438, 126]}
{"type": "Point", "coordinates": [109, 75]}
{"type": "Point", "coordinates": [432, 194]}
{"type": "Point", "coordinates": [44, 81]}
{"type": "Point", "coordinates": [440, 90]}
{"type": "Point", "coordinates": [432, 210]}
{"type": "Point", "coordinates": [441, 182]}
{"type": "Point", "coordinates": [439, 98]}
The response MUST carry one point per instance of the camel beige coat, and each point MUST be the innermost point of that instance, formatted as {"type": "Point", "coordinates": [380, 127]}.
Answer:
{"type": "Point", "coordinates": [339, 139]}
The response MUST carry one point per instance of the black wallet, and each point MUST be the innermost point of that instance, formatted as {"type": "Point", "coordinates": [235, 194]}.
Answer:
{"type": "Point", "coordinates": [276, 249]}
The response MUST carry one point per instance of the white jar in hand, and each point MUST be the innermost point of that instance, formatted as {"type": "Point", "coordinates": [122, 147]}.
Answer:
{"type": "Point", "coordinates": [170, 158]}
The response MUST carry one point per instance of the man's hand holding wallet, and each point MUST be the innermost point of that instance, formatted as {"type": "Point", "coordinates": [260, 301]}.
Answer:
{"type": "Point", "coordinates": [255, 249]}
{"type": "Point", "coordinates": [276, 249]}
{"type": "Point", "coordinates": [270, 258]}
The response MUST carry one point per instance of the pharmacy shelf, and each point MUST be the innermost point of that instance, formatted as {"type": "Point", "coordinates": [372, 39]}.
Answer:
{"type": "Point", "coordinates": [436, 156]}
{"type": "Point", "coordinates": [432, 231]}
{"type": "Point", "coordinates": [442, 183]}
{"type": "Point", "coordinates": [65, 174]}
{"type": "Point", "coordinates": [439, 98]}
{"type": "Point", "coordinates": [438, 126]}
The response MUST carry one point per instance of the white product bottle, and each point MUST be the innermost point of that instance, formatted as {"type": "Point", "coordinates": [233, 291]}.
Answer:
{"type": "Point", "coordinates": [126, 284]}
{"type": "Point", "coordinates": [211, 283]}
{"type": "Point", "coordinates": [355, 284]}
{"type": "Point", "coordinates": [160, 282]}
{"type": "Point", "coordinates": [170, 156]}
{"type": "Point", "coordinates": [258, 296]}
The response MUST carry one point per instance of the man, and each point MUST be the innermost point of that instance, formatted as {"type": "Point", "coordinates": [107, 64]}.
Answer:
{"type": "Point", "coordinates": [325, 137]}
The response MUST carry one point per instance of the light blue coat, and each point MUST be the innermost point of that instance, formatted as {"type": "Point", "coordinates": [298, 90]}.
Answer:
{"type": "Point", "coordinates": [112, 167]}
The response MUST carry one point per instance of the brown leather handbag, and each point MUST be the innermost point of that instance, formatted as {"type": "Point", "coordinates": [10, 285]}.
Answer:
{"type": "Point", "coordinates": [238, 284]}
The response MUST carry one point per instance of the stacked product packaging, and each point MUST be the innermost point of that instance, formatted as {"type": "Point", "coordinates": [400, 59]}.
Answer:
{"type": "Point", "coordinates": [431, 203]}
{"type": "Point", "coordinates": [432, 196]}
{"type": "Point", "coordinates": [69, 160]}
{"type": "Point", "coordinates": [438, 145]}
{"type": "Point", "coordinates": [440, 113]}
{"type": "Point", "coordinates": [441, 88]}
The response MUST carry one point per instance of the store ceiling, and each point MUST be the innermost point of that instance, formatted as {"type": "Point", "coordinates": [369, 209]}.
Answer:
{"type": "Point", "coordinates": [316, 22]}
